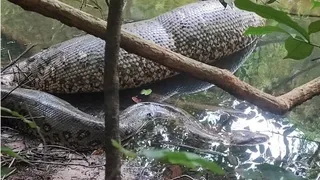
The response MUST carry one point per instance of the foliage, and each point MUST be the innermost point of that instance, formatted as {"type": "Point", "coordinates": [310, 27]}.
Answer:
{"type": "Point", "coordinates": [300, 41]}
{"type": "Point", "coordinates": [181, 158]}
{"type": "Point", "coordinates": [315, 4]}
{"type": "Point", "coordinates": [16, 114]}
{"type": "Point", "coordinates": [5, 171]}
{"type": "Point", "coordinates": [146, 92]}
{"type": "Point", "coordinates": [9, 151]}
{"type": "Point", "coordinates": [123, 150]}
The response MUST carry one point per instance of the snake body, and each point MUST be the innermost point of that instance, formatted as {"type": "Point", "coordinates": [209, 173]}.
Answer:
{"type": "Point", "coordinates": [63, 124]}
{"type": "Point", "coordinates": [205, 31]}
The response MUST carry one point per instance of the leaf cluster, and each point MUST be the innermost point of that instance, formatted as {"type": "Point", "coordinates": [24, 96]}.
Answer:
{"type": "Point", "coordinates": [298, 45]}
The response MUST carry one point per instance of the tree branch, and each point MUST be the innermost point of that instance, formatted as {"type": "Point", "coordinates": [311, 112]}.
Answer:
{"type": "Point", "coordinates": [111, 89]}
{"type": "Point", "coordinates": [131, 43]}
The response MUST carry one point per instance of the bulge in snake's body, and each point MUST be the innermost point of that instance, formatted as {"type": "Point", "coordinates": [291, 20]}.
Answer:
{"type": "Point", "coordinates": [204, 31]}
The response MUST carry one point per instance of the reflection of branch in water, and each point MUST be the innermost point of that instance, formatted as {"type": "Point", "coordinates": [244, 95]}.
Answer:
{"type": "Point", "coordinates": [302, 138]}
{"type": "Point", "coordinates": [291, 78]}
{"type": "Point", "coordinates": [195, 105]}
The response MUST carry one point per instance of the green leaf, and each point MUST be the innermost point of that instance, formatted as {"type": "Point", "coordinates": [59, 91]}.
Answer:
{"type": "Point", "coordinates": [271, 13]}
{"type": "Point", "coordinates": [314, 27]}
{"type": "Point", "coordinates": [123, 150]}
{"type": "Point", "coordinates": [297, 48]}
{"type": "Point", "coordinates": [8, 151]}
{"type": "Point", "coordinates": [5, 171]}
{"type": "Point", "coordinates": [264, 30]}
{"type": "Point", "coordinates": [16, 114]}
{"type": "Point", "coordinates": [315, 4]}
{"type": "Point", "coordinates": [183, 158]}
{"type": "Point", "coordinates": [146, 92]}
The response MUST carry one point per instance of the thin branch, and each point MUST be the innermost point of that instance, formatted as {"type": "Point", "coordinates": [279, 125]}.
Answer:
{"type": "Point", "coordinates": [133, 44]}
{"type": "Point", "coordinates": [17, 59]}
{"type": "Point", "coordinates": [286, 80]}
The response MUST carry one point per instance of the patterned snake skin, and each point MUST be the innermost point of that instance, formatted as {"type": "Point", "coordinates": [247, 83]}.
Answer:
{"type": "Point", "coordinates": [61, 123]}
{"type": "Point", "coordinates": [204, 31]}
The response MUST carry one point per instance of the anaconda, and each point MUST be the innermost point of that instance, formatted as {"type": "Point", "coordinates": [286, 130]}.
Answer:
{"type": "Point", "coordinates": [205, 31]}
{"type": "Point", "coordinates": [61, 123]}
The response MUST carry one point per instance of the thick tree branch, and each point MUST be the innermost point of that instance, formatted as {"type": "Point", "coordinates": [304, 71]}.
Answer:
{"type": "Point", "coordinates": [221, 78]}
{"type": "Point", "coordinates": [111, 89]}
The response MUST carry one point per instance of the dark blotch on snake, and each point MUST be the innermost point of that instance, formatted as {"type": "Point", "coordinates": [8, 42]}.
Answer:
{"type": "Point", "coordinates": [66, 135]}
{"type": "Point", "coordinates": [94, 143]}
{"type": "Point", "coordinates": [82, 134]}
{"type": "Point", "coordinates": [74, 144]}
{"type": "Point", "coordinates": [46, 127]}
{"type": "Point", "coordinates": [56, 137]}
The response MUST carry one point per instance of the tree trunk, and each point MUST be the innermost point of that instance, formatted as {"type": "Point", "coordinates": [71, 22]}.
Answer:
{"type": "Point", "coordinates": [111, 89]}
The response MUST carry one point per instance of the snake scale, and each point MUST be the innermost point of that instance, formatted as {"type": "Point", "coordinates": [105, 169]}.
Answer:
{"type": "Point", "coordinates": [205, 31]}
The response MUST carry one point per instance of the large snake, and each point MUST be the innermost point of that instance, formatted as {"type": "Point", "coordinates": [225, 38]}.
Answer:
{"type": "Point", "coordinates": [61, 123]}
{"type": "Point", "coordinates": [205, 31]}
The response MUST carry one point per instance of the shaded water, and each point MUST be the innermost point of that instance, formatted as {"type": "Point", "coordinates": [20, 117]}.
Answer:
{"type": "Point", "coordinates": [289, 154]}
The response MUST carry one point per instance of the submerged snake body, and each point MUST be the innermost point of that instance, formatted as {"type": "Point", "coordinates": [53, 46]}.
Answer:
{"type": "Point", "coordinates": [61, 123]}
{"type": "Point", "coordinates": [204, 31]}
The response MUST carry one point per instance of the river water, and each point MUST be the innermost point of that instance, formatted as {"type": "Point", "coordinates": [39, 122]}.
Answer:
{"type": "Point", "coordinates": [293, 138]}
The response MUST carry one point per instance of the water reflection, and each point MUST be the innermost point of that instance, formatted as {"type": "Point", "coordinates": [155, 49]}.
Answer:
{"type": "Point", "coordinates": [286, 148]}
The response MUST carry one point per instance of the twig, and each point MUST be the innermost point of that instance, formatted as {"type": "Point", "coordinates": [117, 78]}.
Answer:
{"type": "Point", "coordinates": [5, 96]}
{"type": "Point", "coordinates": [315, 59]}
{"type": "Point", "coordinates": [182, 176]}
{"type": "Point", "coordinates": [286, 80]}
{"type": "Point", "coordinates": [17, 59]}
{"type": "Point", "coordinates": [37, 128]}
{"type": "Point", "coordinates": [302, 138]}
{"type": "Point", "coordinates": [64, 148]}
{"type": "Point", "coordinates": [66, 164]}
